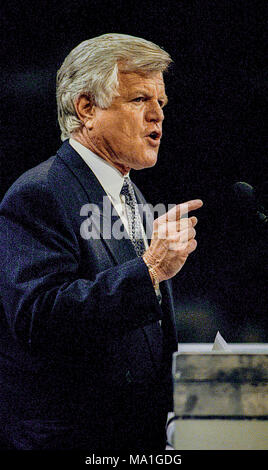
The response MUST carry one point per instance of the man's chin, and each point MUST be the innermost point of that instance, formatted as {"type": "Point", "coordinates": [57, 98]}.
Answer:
{"type": "Point", "coordinates": [151, 161]}
{"type": "Point", "coordinates": [148, 161]}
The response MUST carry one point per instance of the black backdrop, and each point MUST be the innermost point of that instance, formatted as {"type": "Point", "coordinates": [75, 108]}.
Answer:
{"type": "Point", "coordinates": [213, 133]}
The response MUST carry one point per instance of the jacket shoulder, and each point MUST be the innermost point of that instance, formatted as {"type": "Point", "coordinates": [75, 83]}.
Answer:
{"type": "Point", "coordinates": [34, 177]}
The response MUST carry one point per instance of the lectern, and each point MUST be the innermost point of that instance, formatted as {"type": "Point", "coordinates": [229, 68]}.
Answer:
{"type": "Point", "coordinates": [221, 399]}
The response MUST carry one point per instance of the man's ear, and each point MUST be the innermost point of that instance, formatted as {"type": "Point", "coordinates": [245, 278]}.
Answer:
{"type": "Point", "coordinates": [85, 110]}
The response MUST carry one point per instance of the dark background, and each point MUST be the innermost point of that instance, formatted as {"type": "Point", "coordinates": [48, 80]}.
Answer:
{"type": "Point", "coordinates": [213, 133]}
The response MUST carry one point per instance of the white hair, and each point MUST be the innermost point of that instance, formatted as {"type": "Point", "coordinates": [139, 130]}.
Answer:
{"type": "Point", "coordinates": [91, 68]}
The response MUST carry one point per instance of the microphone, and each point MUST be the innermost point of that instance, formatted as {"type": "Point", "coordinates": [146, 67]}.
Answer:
{"type": "Point", "coordinates": [246, 197]}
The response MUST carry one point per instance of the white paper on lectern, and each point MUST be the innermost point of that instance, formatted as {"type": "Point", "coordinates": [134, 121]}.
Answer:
{"type": "Point", "coordinates": [220, 344]}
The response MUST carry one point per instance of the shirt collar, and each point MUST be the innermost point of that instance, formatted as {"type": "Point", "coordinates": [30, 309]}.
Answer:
{"type": "Point", "coordinates": [109, 177]}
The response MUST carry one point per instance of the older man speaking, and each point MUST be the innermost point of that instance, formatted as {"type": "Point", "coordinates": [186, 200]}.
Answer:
{"type": "Point", "coordinates": [87, 321]}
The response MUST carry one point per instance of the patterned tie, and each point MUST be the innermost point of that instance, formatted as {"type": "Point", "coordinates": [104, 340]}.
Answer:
{"type": "Point", "coordinates": [134, 221]}
{"type": "Point", "coordinates": [133, 216]}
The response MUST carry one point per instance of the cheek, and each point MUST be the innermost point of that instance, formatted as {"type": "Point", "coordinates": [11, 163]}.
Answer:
{"type": "Point", "coordinates": [122, 130]}
{"type": "Point", "coordinates": [130, 124]}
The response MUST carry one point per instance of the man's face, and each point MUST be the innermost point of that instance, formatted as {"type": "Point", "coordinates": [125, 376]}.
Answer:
{"type": "Point", "coordinates": [128, 133]}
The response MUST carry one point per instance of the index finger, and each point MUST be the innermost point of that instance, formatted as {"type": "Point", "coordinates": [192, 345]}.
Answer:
{"type": "Point", "coordinates": [182, 209]}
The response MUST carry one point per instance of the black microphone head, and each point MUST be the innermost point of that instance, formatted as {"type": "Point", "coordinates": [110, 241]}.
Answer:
{"type": "Point", "coordinates": [243, 189]}
{"type": "Point", "coordinates": [244, 195]}
{"type": "Point", "coordinates": [245, 199]}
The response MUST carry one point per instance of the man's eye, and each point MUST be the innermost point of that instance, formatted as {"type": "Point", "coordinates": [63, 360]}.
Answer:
{"type": "Point", "coordinates": [138, 99]}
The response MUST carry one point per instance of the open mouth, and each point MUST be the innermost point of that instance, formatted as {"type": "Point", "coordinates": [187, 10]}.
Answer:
{"type": "Point", "coordinates": [154, 135]}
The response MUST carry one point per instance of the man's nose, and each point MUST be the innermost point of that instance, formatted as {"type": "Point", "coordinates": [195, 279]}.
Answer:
{"type": "Point", "coordinates": [154, 112]}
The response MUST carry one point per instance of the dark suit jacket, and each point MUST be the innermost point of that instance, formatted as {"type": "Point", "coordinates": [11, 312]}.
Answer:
{"type": "Point", "coordinates": [84, 361]}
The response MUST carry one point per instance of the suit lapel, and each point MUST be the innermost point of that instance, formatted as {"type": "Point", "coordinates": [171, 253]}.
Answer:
{"type": "Point", "coordinates": [110, 221]}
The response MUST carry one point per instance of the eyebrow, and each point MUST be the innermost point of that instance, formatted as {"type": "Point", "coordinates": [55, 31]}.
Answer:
{"type": "Point", "coordinates": [165, 98]}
